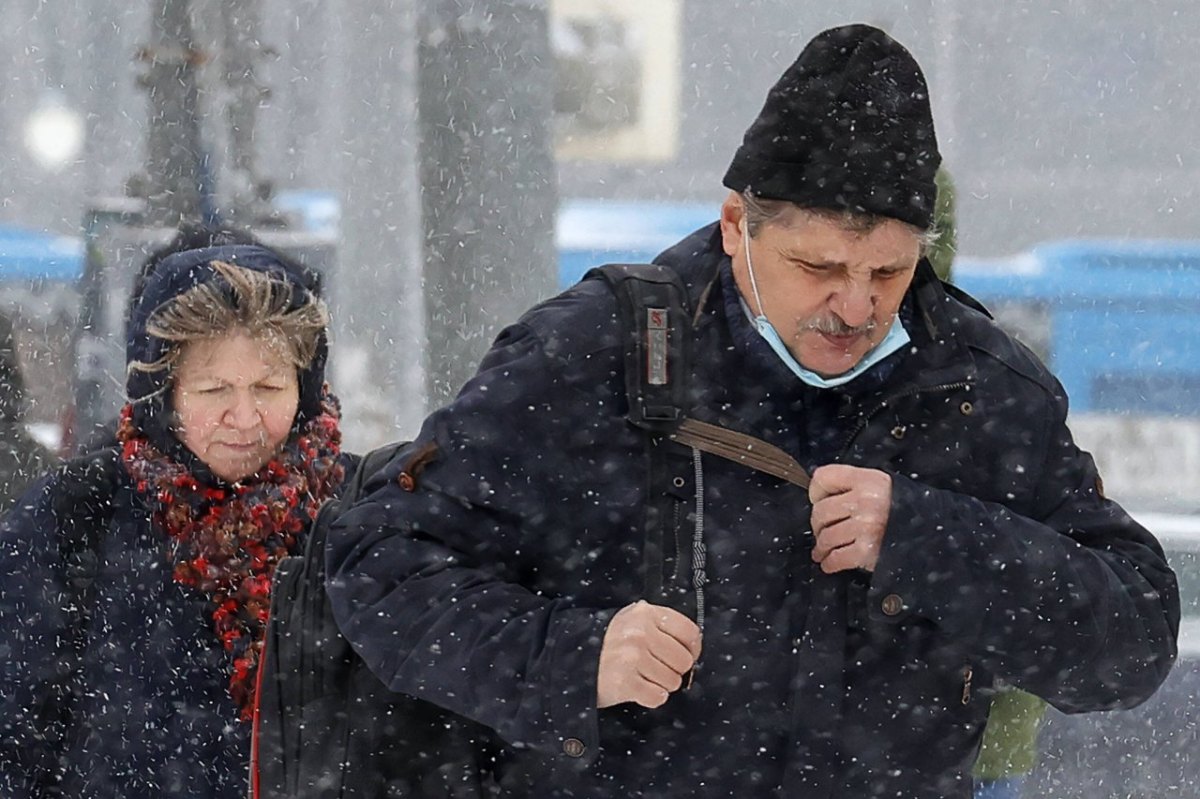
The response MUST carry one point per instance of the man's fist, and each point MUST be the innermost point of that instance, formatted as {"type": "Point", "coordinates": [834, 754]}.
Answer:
{"type": "Point", "coordinates": [849, 516]}
{"type": "Point", "coordinates": [646, 651]}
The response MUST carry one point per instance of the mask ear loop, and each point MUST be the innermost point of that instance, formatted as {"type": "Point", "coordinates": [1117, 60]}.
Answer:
{"type": "Point", "coordinates": [750, 264]}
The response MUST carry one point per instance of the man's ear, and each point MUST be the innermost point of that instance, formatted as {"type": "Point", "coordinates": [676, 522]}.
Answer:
{"type": "Point", "coordinates": [733, 224]}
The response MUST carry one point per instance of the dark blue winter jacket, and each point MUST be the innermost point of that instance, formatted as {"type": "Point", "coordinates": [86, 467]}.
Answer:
{"type": "Point", "coordinates": [155, 718]}
{"type": "Point", "coordinates": [483, 577]}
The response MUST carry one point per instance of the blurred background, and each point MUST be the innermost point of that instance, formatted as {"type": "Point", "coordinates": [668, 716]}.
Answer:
{"type": "Point", "coordinates": [446, 163]}
{"type": "Point", "coordinates": [429, 147]}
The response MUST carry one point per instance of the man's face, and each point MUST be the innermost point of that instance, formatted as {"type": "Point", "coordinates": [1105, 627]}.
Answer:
{"type": "Point", "coordinates": [831, 293]}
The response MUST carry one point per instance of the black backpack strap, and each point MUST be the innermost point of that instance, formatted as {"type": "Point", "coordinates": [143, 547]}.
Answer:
{"type": "Point", "coordinates": [656, 324]}
{"type": "Point", "coordinates": [653, 306]}
{"type": "Point", "coordinates": [351, 491]}
{"type": "Point", "coordinates": [368, 466]}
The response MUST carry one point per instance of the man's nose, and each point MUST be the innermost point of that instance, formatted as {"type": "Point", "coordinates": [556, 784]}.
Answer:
{"type": "Point", "coordinates": [854, 303]}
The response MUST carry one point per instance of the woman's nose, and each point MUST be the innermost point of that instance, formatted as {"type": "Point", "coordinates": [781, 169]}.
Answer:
{"type": "Point", "coordinates": [243, 413]}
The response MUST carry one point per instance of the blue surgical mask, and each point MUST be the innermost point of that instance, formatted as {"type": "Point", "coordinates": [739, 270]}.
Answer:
{"type": "Point", "coordinates": [896, 338]}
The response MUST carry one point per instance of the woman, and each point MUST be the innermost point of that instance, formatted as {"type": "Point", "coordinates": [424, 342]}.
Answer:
{"type": "Point", "coordinates": [133, 585]}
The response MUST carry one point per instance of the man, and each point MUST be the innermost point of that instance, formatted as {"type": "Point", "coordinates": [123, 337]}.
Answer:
{"type": "Point", "coordinates": [838, 641]}
{"type": "Point", "coordinates": [22, 459]}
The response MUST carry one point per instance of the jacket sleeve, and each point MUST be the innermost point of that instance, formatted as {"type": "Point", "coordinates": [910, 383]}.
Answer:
{"type": "Point", "coordinates": [430, 585]}
{"type": "Point", "coordinates": [1073, 602]}
{"type": "Point", "coordinates": [32, 647]}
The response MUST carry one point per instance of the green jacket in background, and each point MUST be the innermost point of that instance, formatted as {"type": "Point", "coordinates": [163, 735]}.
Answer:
{"type": "Point", "coordinates": [941, 254]}
{"type": "Point", "coordinates": [1010, 738]}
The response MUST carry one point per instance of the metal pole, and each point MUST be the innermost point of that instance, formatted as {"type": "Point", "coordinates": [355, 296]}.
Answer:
{"type": "Point", "coordinates": [242, 31]}
{"type": "Point", "coordinates": [377, 308]}
{"type": "Point", "coordinates": [175, 167]}
{"type": "Point", "coordinates": [487, 176]}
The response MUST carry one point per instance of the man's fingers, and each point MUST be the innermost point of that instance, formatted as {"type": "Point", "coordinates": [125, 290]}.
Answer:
{"type": "Point", "coordinates": [646, 651]}
{"type": "Point", "coordinates": [817, 489]}
{"type": "Point", "coordinates": [678, 627]}
{"type": "Point", "coordinates": [842, 559]}
{"type": "Point", "coordinates": [647, 694]}
{"type": "Point", "coordinates": [659, 673]}
{"type": "Point", "coordinates": [672, 654]}
{"type": "Point", "coordinates": [830, 511]}
{"type": "Point", "coordinates": [830, 538]}
{"type": "Point", "coordinates": [830, 479]}
{"type": "Point", "coordinates": [846, 546]}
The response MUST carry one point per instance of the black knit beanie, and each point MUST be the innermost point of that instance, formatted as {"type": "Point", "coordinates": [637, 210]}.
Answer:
{"type": "Point", "coordinates": [847, 127]}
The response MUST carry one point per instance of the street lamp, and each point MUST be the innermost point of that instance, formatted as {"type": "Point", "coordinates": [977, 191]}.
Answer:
{"type": "Point", "coordinates": [53, 132]}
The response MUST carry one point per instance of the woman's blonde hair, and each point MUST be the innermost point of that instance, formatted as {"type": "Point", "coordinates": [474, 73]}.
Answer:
{"type": "Point", "coordinates": [241, 300]}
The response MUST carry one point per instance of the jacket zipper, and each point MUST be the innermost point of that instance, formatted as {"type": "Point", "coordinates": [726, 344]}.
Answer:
{"type": "Point", "coordinates": [968, 675]}
{"type": "Point", "coordinates": [912, 392]}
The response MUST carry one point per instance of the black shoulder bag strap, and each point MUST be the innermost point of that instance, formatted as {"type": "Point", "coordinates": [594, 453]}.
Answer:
{"type": "Point", "coordinates": [82, 508]}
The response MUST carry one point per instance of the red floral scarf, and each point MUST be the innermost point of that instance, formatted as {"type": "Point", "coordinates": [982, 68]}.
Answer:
{"type": "Point", "coordinates": [226, 541]}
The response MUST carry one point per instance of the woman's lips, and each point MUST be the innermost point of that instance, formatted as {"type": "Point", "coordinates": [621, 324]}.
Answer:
{"type": "Point", "coordinates": [246, 447]}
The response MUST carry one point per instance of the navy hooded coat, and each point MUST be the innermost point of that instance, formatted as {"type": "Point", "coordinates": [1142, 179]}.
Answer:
{"type": "Point", "coordinates": [484, 580]}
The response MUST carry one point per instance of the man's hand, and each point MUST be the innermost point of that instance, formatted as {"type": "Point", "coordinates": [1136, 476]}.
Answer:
{"type": "Point", "coordinates": [646, 651]}
{"type": "Point", "coordinates": [849, 516]}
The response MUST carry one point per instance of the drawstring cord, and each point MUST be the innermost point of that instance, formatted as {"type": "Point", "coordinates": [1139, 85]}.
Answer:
{"type": "Point", "coordinates": [699, 554]}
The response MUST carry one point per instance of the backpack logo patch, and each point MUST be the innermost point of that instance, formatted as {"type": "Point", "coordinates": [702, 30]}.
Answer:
{"type": "Point", "coordinates": [657, 320]}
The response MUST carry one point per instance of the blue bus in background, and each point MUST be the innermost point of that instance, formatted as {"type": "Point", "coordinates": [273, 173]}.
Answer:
{"type": "Point", "coordinates": [1119, 318]}
{"type": "Point", "coordinates": [1115, 320]}
{"type": "Point", "coordinates": [30, 255]}
{"type": "Point", "coordinates": [594, 232]}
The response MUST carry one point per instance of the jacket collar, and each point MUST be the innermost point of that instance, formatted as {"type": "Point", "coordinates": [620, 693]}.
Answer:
{"type": "Point", "coordinates": [941, 354]}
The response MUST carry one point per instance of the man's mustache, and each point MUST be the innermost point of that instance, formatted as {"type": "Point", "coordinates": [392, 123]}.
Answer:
{"type": "Point", "coordinates": [833, 326]}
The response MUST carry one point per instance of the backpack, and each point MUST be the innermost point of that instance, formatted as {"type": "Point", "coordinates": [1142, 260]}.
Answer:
{"type": "Point", "coordinates": [326, 727]}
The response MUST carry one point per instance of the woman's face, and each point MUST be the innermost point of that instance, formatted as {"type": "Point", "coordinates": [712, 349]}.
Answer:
{"type": "Point", "coordinates": [235, 400]}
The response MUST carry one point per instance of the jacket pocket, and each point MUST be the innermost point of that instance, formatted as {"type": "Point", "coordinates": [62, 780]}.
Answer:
{"type": "Point", "coordinates": [678, 520]}
{"type": "Point", "coordinates": [669, 497]}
